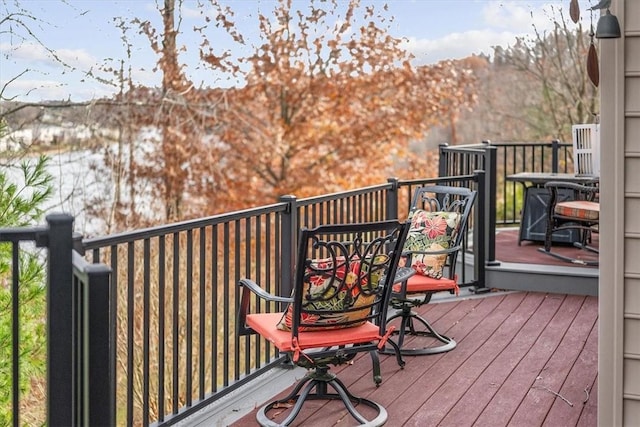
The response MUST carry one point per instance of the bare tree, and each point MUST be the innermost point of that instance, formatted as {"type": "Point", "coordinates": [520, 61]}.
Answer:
{"type": "Point", "coordinates": [551, 71]}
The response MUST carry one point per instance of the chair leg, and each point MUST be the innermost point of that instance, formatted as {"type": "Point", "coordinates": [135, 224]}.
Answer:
{"type": "Point", "coordinates": [571, 260]}
{"type": "Point", "coordinates": [409, 319]}
{"type": "Point", "coordinates": [397, 351]}
{"type": "Point", "coordinates": [584, 242]}
{"type": "Point", "coordinates": [377, 373]}
{"type": "Point", "coordinates": [585, 235]}
{"type": "Point", "coordinates": [587, 248]}
{"type": "Point", "coordinates": [581, 245]}
{"type": "Point", "coordinates": [320, 379]}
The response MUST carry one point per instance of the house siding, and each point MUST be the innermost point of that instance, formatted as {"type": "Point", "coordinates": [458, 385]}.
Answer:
{"type": "Point", "coordinates": [631, 308]}
{"type": "Point", "coordinates": [619, 286]}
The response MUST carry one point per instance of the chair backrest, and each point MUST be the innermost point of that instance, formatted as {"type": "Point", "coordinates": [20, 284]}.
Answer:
{"type": "Point", "coordinates": [344, 275]}
{"type": "Point", "coordinates": [562, 191]}
{"type": "Point", "coordinates": [433, 206]}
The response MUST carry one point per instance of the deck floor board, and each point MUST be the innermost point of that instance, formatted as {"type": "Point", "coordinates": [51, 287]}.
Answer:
{"type": "Point", "coordinates": [556, 371]}
{"type": "Point", "coordinates": [512, 349]}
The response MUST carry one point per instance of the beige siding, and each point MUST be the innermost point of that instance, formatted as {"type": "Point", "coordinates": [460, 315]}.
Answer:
{"type": "Point", "coordinates": [632, 214]}
{"type": "Point", "coordinates": [632, 177]}
{"type": "Point", "coordinates": [633, 45]}
{"type": "Point", "coordinates": [632, 103]}
{"type": "Point", "coordinates": [632, 300]}
{"type": "Point", "coordinates": [619, 286]}
{"type": "Point", "coordinates": [632, 412]}
{"type": "Point", "coordinates": [632, 127]}
{"type": "Point", "coordinates": [632, 14]}
{"type": "Point", "coordinates": [631, 346]}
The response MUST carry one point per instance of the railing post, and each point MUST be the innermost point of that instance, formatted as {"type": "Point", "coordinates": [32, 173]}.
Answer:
{"type": "Point", "coordinates": [101, 354]}
{"type": "Point", "coordinates": [61, 404]}
{"type": "Point", "coordinates": [392, 199]}
{"type": "Point", "coordinates": [289, 243]}
{"type": "Point", "coordinates": [491, 181]}
{"type": "Point", "coordinates": [479, 232]}
{"type": "Point", "coordinates": [555, 147]}
{"type": "Point", "coordinates": [443, 159]}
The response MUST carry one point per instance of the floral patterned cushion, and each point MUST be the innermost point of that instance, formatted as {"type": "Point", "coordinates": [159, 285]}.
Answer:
{"type": "Point", "coordinates": [333, 294]}
{"type": "Point", "coordinates": [431, 231]}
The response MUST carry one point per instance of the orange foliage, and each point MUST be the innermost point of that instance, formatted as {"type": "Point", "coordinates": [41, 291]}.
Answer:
{"type": "Point", "coordinates": [326, 108]}
{"type": "Point", "coordinates": [330, 102]}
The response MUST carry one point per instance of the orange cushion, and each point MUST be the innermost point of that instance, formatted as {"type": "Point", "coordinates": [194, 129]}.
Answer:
{"type": "Point", "coordinates": [579, 209]}
{"type": "Point", "coordinates": [418, 283]}
{"type": "Point", "coordinates": [266, 325]}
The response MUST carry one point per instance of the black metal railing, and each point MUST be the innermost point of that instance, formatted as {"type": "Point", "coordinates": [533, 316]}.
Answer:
{"type": "Point", "coordinates": [160, 319]}
{"type": "Point", "coordinates": [175, 299]}
{"type": "Point", "coordinates": [499, 160]}
{"type": "Point", "coordinates": [175, 291]}
{"type": "Point", "coordinates": [515, 157]}
{"type": "Point", "coordinates": [79, 363]}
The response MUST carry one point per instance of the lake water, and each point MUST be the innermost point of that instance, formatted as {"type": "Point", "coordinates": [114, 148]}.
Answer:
{"type": "Point", "coordinates": [75, 185]}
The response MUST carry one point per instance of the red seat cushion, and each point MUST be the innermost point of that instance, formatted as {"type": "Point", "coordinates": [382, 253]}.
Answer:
{"type": "Point", "coordinates": [266, 325]}
{"type": "Point", "coordinates": [418, 283]}
{"type": "Point", "coordinates": [579, 209]}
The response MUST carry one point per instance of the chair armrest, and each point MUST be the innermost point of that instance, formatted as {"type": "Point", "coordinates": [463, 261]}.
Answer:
{"type": "Point", "coordinates": [248, 284]}
{"type": "Point", "coordinates": [250, 287]}
{"type": "Point", "coordinates": [403, 274]}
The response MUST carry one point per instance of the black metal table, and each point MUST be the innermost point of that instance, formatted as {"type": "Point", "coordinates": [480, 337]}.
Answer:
{"type": "Point", "coordinates": [533, 220]}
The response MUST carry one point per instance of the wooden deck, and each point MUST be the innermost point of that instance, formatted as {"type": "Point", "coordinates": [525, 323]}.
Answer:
{"type": "Point", "coordinates": [523, 359]}
{"type": "Point", "coordinates": [508, 250]}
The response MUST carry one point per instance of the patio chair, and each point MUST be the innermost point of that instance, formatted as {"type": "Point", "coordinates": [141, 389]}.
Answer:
{"type": "Point", "coordinates": [342, 284]}
{"type": "Point", "coordinates": [439, 216]}
{"type": "Point", "coordinates": [581, 212]}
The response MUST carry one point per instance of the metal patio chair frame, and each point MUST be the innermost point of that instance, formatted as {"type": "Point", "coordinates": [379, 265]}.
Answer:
{"type": "Point", "coordinates": [579, 212]}
{"type": "Point", "coordinates": [342, 285]}
{"type": "Point", "coordinates": [419, 289]}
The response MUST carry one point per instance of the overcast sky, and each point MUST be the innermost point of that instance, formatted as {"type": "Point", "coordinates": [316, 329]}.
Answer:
{"type": "Point", "coordinates": [82, 33]}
